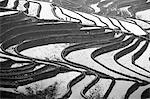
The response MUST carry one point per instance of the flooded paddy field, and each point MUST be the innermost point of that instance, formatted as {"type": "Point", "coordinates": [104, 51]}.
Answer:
{"type": "Point", "coordinates": [67, 59]}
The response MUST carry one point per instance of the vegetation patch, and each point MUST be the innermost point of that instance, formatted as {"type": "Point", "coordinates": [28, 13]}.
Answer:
{"type": "Point", "coordinates": [49, 93]}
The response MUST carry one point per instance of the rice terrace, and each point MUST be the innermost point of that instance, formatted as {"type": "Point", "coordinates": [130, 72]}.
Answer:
{"type": "Point", "coordinates": [74, 49]}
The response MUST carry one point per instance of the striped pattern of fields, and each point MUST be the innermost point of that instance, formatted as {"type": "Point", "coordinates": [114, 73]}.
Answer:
{"type": "Point", "coordinates": [89, 58]}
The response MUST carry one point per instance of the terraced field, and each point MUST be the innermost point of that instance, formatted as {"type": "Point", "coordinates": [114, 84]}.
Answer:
{"type": "Point", "coordinates": [84, 62]}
